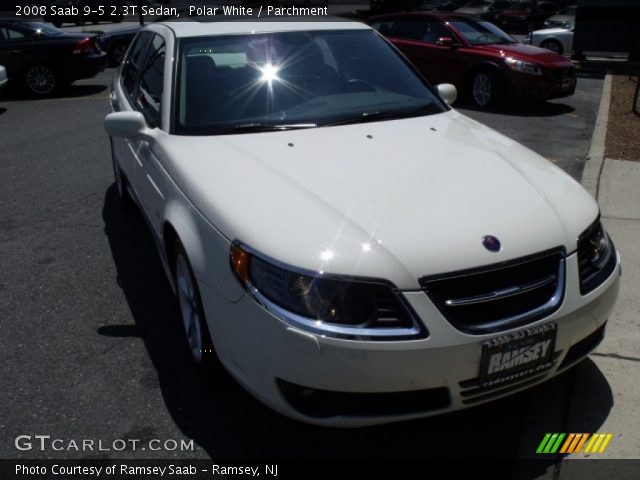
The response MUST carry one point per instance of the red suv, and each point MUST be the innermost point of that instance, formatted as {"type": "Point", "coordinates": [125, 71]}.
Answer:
{"type": "Point", "coordinates": [477, 57]}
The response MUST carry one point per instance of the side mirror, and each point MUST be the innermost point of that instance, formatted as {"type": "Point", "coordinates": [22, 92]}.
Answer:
{"type": "Point", "coordinates": [448, 92]}
{"type": "Point", "coordinates": [445, 42]}
{"type": "Point", "coordinates": [126, 124]}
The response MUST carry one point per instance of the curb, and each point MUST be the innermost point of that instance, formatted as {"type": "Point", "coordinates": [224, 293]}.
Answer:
{"type": "Point", "coordinates": [595, 158]}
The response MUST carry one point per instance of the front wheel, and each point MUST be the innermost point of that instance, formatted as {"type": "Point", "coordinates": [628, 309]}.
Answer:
{"type": "Point", "coordinates": [552, 45]}
{"type": "Point", "coordinates": [40, 80]}
{"type": "Point", "coordinates": [486, 89]}
{"type": "Point", "coordinates": [192, 313]}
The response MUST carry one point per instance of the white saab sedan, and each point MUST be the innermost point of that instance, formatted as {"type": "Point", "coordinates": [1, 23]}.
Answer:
{"type": "Point", "coordinates": [349, 247]}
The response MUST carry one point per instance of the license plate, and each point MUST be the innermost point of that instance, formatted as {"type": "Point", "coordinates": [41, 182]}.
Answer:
{"type": "Point", "coordinates": [566, 84]}
{"type": "Point", "coordinates": [517, 355]}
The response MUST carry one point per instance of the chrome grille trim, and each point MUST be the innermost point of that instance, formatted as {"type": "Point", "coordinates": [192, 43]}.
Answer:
{"type": "Point", "coordinates": [500, 296]}
{"type": "Point", "coordinates": [502, 293]}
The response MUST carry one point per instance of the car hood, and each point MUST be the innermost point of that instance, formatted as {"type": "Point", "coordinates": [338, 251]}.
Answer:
{"type": "Point", "coordinates": [395, 200]}
{"type": "Point", "coordinates": [471, 10]}
{"type": "Point", "coordinates": [529, 52]}
{"type": "Point", "coordinates": [561, 18]}
{"type": "Point", "coordinates": [552, 31]}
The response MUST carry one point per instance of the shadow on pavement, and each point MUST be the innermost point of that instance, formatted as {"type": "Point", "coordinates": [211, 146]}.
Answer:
{"type": "Point", "coordinates": [2, 110]}
{"type": "Point", "coordinates": [522, 108]}
{"type": "Point", "coordinates": [14, 94]}
{"type": "Point", "coordinates": [230, 424]}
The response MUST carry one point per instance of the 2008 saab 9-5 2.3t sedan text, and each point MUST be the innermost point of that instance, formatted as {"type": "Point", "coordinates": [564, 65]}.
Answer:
{"type": "Point", "coordinates": [353, 250]}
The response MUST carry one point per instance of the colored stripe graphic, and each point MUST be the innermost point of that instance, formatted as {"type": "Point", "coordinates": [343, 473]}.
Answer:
{"type": "Point", "coordinates": [543, 443]}
{"type": "Point", "coordinates": [597, 443]}
{"type": "Point", "coordinates": [581, 443]}
{"type": "Point", "coordinates": [550, 443]}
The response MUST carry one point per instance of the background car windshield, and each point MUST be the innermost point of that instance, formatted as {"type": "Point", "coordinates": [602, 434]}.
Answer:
{"type": "Point", "coordinates": [524, 6]}
{"type": "Point", "coordinates": [570, 10]}
{"type": "Point", "coordinates": [292, 79]}
{"type": "Point", "coordinates": [480, 33]}
{"type": "Point", "coordinates": [478, 3]}
{"type": "Point", "coordinates": [44, 28]}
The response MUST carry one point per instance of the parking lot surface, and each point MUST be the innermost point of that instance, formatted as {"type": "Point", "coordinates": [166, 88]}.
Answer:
{"type": "Point", "coordinates": [90, 328]}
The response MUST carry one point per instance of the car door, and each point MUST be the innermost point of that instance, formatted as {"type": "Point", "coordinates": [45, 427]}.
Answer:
{"type": "Point", "coordinates": [419, 38]}
{"type": "Point", "coordinates": [16, 45]}
{"type": "Point", "coordinates": [148, 100]}
{"type": "Point", "coordinates": [122, 98]}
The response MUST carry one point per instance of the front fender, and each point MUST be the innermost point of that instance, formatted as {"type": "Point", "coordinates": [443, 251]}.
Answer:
{"type": "Point", "coordinates": [206, 247]}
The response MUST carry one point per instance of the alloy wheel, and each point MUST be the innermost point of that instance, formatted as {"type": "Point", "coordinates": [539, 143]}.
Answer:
{"type": "Point", "coordinates": [41, 80]}
{"type": "Point", "coordinates": [482, 89]}
{"type": "Point", "coordinates": [189, 311]}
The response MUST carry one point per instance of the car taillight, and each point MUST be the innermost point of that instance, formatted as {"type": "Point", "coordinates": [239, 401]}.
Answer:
{"type": "Point", "coordinates": [83, 46]}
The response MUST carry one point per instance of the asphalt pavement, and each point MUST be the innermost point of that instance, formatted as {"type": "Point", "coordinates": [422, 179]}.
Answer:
{"type": "Point", "coordinates": [90, 335]}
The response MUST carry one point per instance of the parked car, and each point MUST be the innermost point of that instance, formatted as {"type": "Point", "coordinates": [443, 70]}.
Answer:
{"type": "Point", "coordinates": [558, 40]}
{"type": "Point", "coordinates": [383, 6]}
{"type": "Point", "coordinates": [485, 9]}
{"type": "Point", "coordinates": [43, 58]}
{"type": "Point", "coordinates": [440, 5]}
{"type": "Point", "coordinates": [93, 11]}
{"type": "Point", "coordinates": [477, 57]}
{"type": "Point", "coordinates": [565, 18]}
{"type": "Point", "coordinates": [353, 250]}
{"type": "Point", "coordinates": [3, 77]}
{"type": "Point", "coordinates": [116, 42]}
{"type": "Point", "coordinates": [523, 17]}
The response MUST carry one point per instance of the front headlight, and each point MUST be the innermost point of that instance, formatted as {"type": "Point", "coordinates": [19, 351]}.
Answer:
{"type": "Point", "coordinates": [522, 66]}
{"type": "Point", "coordinates": [596, 257]}
{"type": "Point", "coordinates": [330, 305]}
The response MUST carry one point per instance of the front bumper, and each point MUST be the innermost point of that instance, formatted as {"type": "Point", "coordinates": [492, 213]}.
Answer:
{"type": "Point", "coordinates": [543, 87]}
{"type": "Point", "coordinates": [279, 363]}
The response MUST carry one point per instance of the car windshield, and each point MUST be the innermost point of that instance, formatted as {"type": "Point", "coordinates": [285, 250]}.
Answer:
{"type": "Point", "coordinates": [480, 33]}
{"type": "Point", "coordinates": [243, 83]}
{"type": "Point", "coordinates": [44, 28]}
{"type": "Point", "coordinates": [478, 3]}
{"type": "Point", "coordinates": [571, 10]}
{"type": "Point", "coordinates": [523, 6]}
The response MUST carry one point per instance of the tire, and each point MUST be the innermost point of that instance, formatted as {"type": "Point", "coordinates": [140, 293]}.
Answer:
{"type": "Point", "coordinates": [40, 80]}
{"type": "Point", "coordinates": [552, 45]}
{"type": "Point", "coordinates": [121, 183]}
{"type": "Point", "coordinates": [116, 53]}
{"type": "Point", "coordinates": [486, 90]}
{"type": "Point", "coordinates": [193, 321]}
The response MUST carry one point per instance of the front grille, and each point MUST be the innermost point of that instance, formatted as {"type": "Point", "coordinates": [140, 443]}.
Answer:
{"type": "Point", "coordinates": [325, 403]}
{"type": "Point", "coordinates": [581, 349]}
{"type": "Point", "coordinates": [500, 296]}
{"type": "Point", "coordinates": [560, 74]}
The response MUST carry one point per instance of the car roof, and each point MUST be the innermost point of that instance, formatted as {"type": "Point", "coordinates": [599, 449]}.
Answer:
{"type": "Point", "coordinates": [195, 28]}
{"type": "Point", "coordinates": [442, 16]}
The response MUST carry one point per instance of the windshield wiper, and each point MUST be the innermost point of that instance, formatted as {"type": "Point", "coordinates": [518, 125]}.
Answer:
{"type": "Point", "coordinates": [266, 127]}
{"type": "Point", "coordinates": [374, 116]}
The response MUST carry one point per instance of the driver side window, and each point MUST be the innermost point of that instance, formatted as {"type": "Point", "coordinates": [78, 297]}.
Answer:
{"type": "Point", "coordinates": [149, 95]}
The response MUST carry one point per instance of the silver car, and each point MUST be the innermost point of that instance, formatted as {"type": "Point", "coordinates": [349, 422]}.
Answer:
{"type": "Point", "coordinates": [558, 40]}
